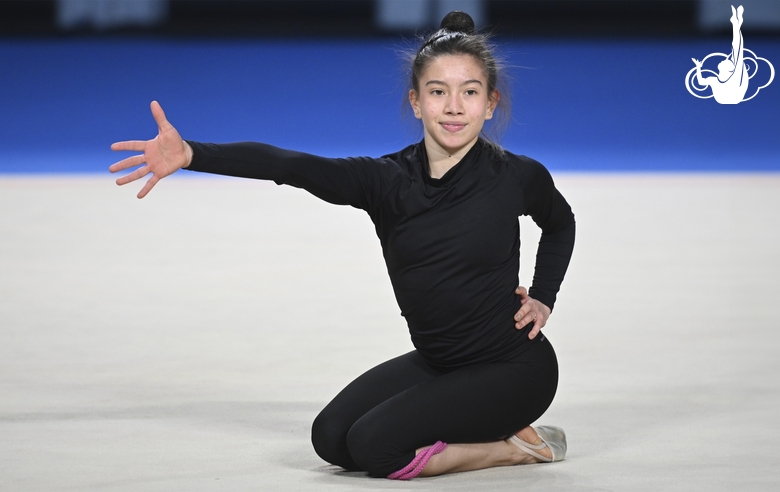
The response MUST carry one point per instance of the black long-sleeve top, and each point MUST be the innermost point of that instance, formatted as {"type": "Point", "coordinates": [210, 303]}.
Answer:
{"type": "Point", "coordinates": [451, 245]}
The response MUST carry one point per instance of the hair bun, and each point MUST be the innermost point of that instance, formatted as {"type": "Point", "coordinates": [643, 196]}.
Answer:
{"type": "Point", "coordinates": [457, 21]}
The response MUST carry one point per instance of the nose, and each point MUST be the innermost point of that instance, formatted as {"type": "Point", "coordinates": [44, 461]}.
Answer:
{"type": "Point", "coordinates": [454, 104]}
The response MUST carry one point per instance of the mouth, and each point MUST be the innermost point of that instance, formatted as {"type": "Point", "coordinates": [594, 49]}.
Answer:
{"type": "Point", "coordinates": [452, 126]}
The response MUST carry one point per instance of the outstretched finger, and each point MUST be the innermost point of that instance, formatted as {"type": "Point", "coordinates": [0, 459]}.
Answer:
{"type": "Point", "coordinates": [159, 116]}
{"type": "Point", "coordinates": [136, 160]}
{"type": "Point", "coordinates": [134, 145]}
{"type": "Point", "coordinates": [137, 174]}
{"type": "Point", "coordinates": [148, 186]}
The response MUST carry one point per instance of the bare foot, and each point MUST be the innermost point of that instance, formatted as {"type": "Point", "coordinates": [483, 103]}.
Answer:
{"type": "Point", "coordinates": [529, 435]}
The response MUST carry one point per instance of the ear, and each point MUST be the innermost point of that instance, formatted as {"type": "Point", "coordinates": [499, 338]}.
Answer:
{"type": "Point", "coordinates": [492, 103]}
{"type": "Point", "coordinates": [414, 101]}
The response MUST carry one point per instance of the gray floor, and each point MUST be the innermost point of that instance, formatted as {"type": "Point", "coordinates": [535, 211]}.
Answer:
{"type": "Point", "coordinates": [187, 340]}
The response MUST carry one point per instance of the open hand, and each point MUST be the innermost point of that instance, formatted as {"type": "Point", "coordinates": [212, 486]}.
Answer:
{"type": "Point", "coordinates": [162, 156]}
{"type": "Point", "coordinates": [531, 311]}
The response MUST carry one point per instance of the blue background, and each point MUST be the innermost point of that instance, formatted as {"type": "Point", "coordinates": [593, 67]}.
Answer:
{"type": "Point", "coordinates": [577, 105]}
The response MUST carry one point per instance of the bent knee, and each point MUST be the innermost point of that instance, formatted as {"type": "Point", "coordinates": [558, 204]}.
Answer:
{"type": "Point", "coordinates": [329, 438]}
{"type": "Point", "coordinates": [373, 452]}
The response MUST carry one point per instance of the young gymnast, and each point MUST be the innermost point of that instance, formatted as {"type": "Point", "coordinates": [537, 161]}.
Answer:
{"type": "Point", "coordinates": [446, 213]}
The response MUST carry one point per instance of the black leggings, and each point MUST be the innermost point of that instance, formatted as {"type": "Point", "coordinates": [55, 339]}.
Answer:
{"type": "Point", "coordinates": [378, 421]}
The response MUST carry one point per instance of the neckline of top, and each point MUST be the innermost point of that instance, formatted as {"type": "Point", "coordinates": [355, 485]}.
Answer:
{"type": "Point", "coordinates": [452, 172]}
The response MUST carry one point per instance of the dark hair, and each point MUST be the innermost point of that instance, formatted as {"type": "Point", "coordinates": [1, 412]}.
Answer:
{"type": "Point", "coordinates": [457, 36]}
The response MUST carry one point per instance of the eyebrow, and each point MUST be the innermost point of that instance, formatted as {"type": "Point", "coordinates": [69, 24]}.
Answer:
{"type": "Point", "coordinates": [472, 81]}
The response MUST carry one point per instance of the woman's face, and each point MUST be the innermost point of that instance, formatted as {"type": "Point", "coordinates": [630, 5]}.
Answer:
{"type": "Point", "coordinates": [453, 102]}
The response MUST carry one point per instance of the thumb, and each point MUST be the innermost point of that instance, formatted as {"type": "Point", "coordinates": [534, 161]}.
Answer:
{"type": "Point", "coordinates": [159, 116]}
{"type": "Point", "coordinates": [521, 291]}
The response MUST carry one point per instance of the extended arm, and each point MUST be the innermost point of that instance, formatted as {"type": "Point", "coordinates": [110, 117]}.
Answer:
{"type": "Point", "coordinates": [353, 181]}
{"type": "Point", "coordinates": [701, 80]}
{"type": "Point", "coordinates": [357, 182]}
